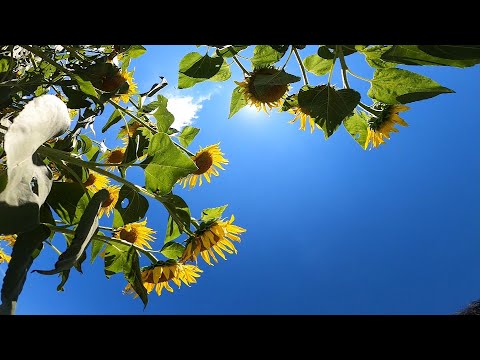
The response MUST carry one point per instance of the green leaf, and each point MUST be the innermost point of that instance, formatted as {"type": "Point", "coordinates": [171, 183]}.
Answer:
{"type": "Point", "coordinates": [230, 51]}
{"type": "Point", "coordinates": [115, 258]}
{"type": "Point", "coordinates": [172, 250]}
{"type": "Point", "coordinates": [187, 135]}
{"type": "Point", "coordinates": [64, 199]}
{"type": "Point", "coordinates": [76, 98]}
{"type": "Point", "coordinates": [317, 65]}
{"type": "Point", "coordinates": [278, 78]}
{"type": "Point", "coordinates": [265, 55]}
{"type": "Point", "coordinates": [421, 55]}
{"type": "Point", "coordinates": [238, 101]}
{"type": "Point", "coordinates": [27, 246]}
{"type": "Point", "coordinates": [136, 51]}
{"type": "Point", "coordinates": [168, 164]}
{"type": "Point", "coordinates": [97, 246]}
{"type": "Point", "coordinates": [85, 86]}
{"type": "Point", "coordinates": [454, 52]}
{"type": "Point", "coordinates": [195, 68]}
{"type": "Point", "coordinates": [327, 105]}
{"type": "Point", "coordinates": [213, 213]}
{"type": "Point", "coordinates": [357, 126]}
{"type": "Point", "coordinates": [64, 274]}
{"type": "Point", "coordinates": [135, 209]}
{"type": "Point", "coordinates": [163, 116]}
{"type": "Point", "coordinates": [397, 86]}
{"type": "Point", "coordinates": [148, 108]}
{"type": "Point", "coordinates": [325, 53]}
{"type": "Point", "coordinates": [86, 143]}
{"type": "Point", "coordinates": [179, 218]}
{"type": "Point", "coordinates": [373, 56]}
{"type": "Point", "coordinates": [112, 120]}
{"type": "Point", "coordinates": [131, 272]}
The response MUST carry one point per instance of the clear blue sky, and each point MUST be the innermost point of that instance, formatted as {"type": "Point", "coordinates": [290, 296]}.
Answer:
{"type": "Point", "coordinates": [331, 228]}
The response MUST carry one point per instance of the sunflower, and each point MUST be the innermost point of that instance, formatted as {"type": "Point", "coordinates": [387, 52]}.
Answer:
{"type": "Point", "coordinates": [206, 159]}
{"type": "Point", "coordinates": [268, 95]}
{"type": "Point", "coordinates": [96, 181]}
{"type": "Point", "coordinates": [380, 127]}
{"type": "Point", "coordinates": [135, 233]}
{"type": "Point", "coordinates": [157, 276]}
{"type": "Point", "coordinates": [109, 204]}
{"type": "Point", "coordinates": [132, 87]}
{"type": "Point", "coordinates": [304, 116]}
{"type": "Point", "coordinates": [114, 156]}
{"type": "Point", "coordinates": [4, 257]}
{"type": "Point", "coordinates": [217, 236]}
{"type": "Point", "coordinates": [10, 239]}
{"type": "Point", "coordinates": [128, 131]}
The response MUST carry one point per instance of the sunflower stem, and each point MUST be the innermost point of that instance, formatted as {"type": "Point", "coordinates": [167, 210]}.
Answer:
{"type": "Point", "coordinates": [358, 76]}
{"type": "Point", "coordinates": [36, 51]}
{"type": "Point", "coordinates": [331, 69]}
{"type": "Point", "coordinates": [344, 66]}
{"type": "Point", "coordinates": [240, 65]}
{"type": "Point", "coordinates": [106, 240]}
{"type": "Point", "coordinates": [288, 58]}
{"type": "Point", "coordinates": [53, 247]}
{"type": "Point", "coordinates": [369, 109]}
{"type": "Point", "coordinates": [300, 63]}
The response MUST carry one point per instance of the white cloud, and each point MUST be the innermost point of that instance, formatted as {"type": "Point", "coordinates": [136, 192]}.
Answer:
{"type": "Point", "coordinates": [185, 109]}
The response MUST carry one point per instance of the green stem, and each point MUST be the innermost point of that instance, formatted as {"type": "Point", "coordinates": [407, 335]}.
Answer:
{"type": "Point", "coordinates": [344, 66]}
{"type": "Point", "coordinates": [106, 240]}
{"type": "Point", "coordinates": [331, 69]}
{"type": "Point", "coordinates": [288, 58]}
{"type": "Point", "coordinates": [369, 109]}
{"type": "Point", "coordinates": [300, 63]}
{"type": "Point", "coordinates": [240, 65]}
{"type": "Point", "coordinates": [53, 247]}
{"type": "Point", "coordinates": [358, 76]}
{"type": "Point", "coordinates": [126, 111]}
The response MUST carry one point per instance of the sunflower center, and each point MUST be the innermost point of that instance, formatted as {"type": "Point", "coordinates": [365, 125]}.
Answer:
{"type": "Point", "coordinates": [149, 277]}
{"type": "Point", "coordinates": [109, 201]}
{"type": "Point", "coordinates": [91, 180]}
{"type": "Point", "coordinates": [266, 93]}
{"type": "Point", "coordinates": [130, 236]}
{"type": "Point", "coordinates": [203, 161]}
{"type": "Point", "coordinates": [112, 83]}
{"type": "Point", "coordinates": [116, 156]}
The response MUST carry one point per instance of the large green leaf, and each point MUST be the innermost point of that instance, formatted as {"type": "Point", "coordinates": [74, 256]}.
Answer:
{"type": "Point", "coordinates": [238, 101]}
{"type": "Point", "coordinates": [64, 199]}
{"type": "Point", "coordinates": [172, 250]}
{"type": "Point", "coordinates": [357, 126]}
{"type": "Point", "coordinates": [179, 218]}
{"type": "Point", "coordinates": [422, 55]}
{"type": "Point", "coordinates": [325, 53]}
{"type": "Point", "coordinates": [112, 120]}
{"type": "Point", "coordinates": [97, 246]}
{"type": "Point", "coordinates": [27, 246]}
{"type": "Point", "coordinates": [195, 68]}
{"type": "Point", "coordinates": [85, 86]}
{"type": "Point", "coordinates": [373, 56]}
{"type": "Point", "coordinates": [265, 55]}
{"type": "Point", "coordinates": [317, 65]}
{"type": "Point", "coordinates": [397, 86]}
{"type": "Point", "coordinates": [131, 272]}
{"type": "Point", "coordinates": [163, 116]}
{"type": "Point", "coordinates": [212, 213]}
{"type": "Point", "coordinates": [187, 135]}
{"type": "Point", "coordinates": [454, 52]}
{"type": "Point", "coordinates": [327, 105]}
{"type": "Point", "coordinates": [278, 78]}
{"type": "Point", "coordinates": [115, 258]}
{"type": "Point", "coordinates": [135, 51]}
{"type": "Point", "coordinates": [167, 165]}
{"type": "Point", "coordinates": [135, 209]}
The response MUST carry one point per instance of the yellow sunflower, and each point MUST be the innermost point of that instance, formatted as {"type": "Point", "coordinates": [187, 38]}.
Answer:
{"type": "Point", "coordinates": [304, 116]}
{"type": "Point", "coordinates": [114, 156]}
{"type": "Point", "coordinates": [10, 239]}
{"type": "Point", "coordinates": [128, 131]}
{"type": "Point", "coordinates": [96, 181]}
{"type": "Point", "coordinates": [157, 276]}
{"type": "Point", "coordinates": [206, 159]}
{"type": "Point", "coordinates": [4, 257]}
{"type": "Point", "coordinates": [135, 233]}
{"type": "Point", "coordinates": [132, 87]}
{"type": "Point", "coordinates": [218, 236]}
{"type": "Point", "coordinates": [270, 95]}
{"type": "Point", "coordinates": [379, 128]}
{"type": "Point", "coordinates": [109, 204]}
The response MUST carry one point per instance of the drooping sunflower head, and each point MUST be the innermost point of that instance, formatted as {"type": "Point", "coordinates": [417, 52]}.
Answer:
{"type": "Point", "coordinates": [114, 156]}
{"type": "Point", "coordinates": [158, 275]}
{"type": "Point", "coordinates": [109, 204]}
{"type": "Point", "coordinates": [132, 87]}
{"type": "Point", "coordinates": [300, 113]}
{"type": "Point", "coordinates": [136, 233]}
{"type": "Point", "coordinates": [127, 131]}
{"type": "Point", "coordinates": [263, 95]}
{"type": "Point", "coordinates": [96, 181]}
{"type": "Point", "coordinates": [207, 160]}
{"type": "Point", "coordinates": [9, 239]}
{"type": "Point", "coordinates": [380, 127]}
{"type": "Point", "coordinates": [213, 236]}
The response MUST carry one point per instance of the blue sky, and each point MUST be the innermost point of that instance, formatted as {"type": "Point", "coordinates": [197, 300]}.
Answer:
{"type": "Point", "coordinates": [331, 228]}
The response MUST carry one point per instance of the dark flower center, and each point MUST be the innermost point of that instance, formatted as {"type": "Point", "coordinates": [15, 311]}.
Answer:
{"type": "Point", "coordinates": [203, 161]}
